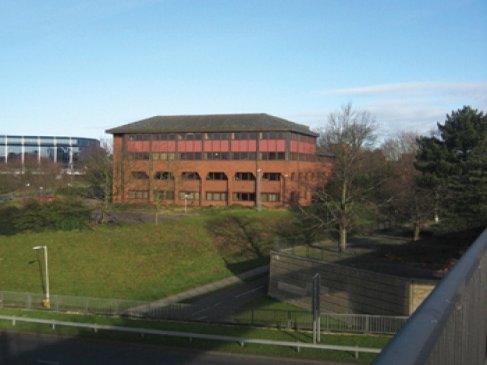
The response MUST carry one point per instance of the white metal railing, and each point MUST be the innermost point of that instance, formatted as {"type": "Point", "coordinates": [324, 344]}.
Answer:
{"type": "Point", "coordinates": [350, 322]}
{"type": "Point", "coordinates": [191, 336]}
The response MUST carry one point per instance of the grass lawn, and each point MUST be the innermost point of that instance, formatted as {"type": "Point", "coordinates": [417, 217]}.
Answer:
{"type": "Point", "coordinates": [139, 261]}
{"type": "Point", "coordinates": [245, 332]}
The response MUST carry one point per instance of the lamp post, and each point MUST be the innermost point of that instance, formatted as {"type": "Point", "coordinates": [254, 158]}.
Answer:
{"type": "Point", "coordinates": [186, 197]}
{"type": "Point", "coordinates": [45, 303]}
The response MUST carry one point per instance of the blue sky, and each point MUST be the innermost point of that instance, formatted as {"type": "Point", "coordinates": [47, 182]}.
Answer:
{"type": "Point", "coordinates": [80, 67]}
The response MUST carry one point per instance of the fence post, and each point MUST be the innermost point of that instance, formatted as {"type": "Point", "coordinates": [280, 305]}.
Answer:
{"type": "Point", "coordinates": [29, 301]}
{"type": "Point", "coordinates": [252, 317]}
{"type": "Point", "coordinates": [367, 323]}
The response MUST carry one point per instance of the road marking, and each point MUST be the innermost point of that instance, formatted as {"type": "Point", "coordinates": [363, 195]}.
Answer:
{"type": "Point", "coordinates": [47, 362]}
{"type": "Point", "coordinates": [249, 291]}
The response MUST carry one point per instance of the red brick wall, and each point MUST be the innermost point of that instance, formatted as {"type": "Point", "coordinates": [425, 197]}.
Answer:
{"type": "Point", "coordinates": [298, 178]}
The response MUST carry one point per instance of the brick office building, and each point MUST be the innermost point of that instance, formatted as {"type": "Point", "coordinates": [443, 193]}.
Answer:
{"type": "Point", "coordinates": [205, 160]}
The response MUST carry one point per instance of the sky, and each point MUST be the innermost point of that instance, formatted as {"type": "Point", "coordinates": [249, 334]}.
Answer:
{"type": "Point", "coordinates": [80, 67]}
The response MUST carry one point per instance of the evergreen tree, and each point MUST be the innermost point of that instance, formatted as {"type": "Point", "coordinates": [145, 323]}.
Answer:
{"type": "Point", "coordinates": [454, 167]}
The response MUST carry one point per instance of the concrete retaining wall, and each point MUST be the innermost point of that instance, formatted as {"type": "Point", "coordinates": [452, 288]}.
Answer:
{"type": "Point", "coordinates": [344, 289]}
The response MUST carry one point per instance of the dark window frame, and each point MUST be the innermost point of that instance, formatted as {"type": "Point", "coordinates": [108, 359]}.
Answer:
{"type": "Point", "coordinates": [244, 176]}
{"type": "Point", "coordinates": [216, 176]}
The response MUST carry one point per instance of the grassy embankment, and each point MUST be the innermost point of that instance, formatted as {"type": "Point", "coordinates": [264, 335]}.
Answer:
{"type": "Point", "coordinates": [144, 261]}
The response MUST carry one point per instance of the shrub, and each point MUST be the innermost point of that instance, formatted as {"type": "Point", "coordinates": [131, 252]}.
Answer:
{"type": "Point", "coordinates": [35, 216]}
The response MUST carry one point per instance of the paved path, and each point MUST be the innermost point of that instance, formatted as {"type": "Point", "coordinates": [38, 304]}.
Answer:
{"type": "Point", "coordinates": [216, 294]}
{"type": "Point", "coordinates": [208, 288]}
{"type": "Point", "coordinates": [221, 305]}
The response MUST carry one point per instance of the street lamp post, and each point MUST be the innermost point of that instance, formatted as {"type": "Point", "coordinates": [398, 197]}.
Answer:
{"type": "Point", "coordinates": [186, 197]}
{"type": "Point", "coordinates": [45, 303]}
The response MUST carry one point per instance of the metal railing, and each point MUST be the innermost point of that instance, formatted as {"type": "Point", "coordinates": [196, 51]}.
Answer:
{"type": "Point", "coordinates": [450, 327]}
{"type": "Point", "coordinates": [298, 320]}
{"type": "Point", "coordinates": [192, 336]}
{"type": "Point", "coordinates": [330, 322]}
{"type": "Point", "coordinates": [101, 306]}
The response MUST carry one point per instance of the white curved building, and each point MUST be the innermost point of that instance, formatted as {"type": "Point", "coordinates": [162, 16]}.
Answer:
{"type": "Point", "coordinates": [18, 151]}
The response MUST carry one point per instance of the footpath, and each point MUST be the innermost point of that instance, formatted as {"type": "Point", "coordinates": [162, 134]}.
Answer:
{"type": "Point", "coordinates": [199, 291]}
{"type": "Point", "coordinates": [211, 287]}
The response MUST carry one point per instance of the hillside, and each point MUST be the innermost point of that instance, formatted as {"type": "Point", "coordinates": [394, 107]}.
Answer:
{"type": "Point", "coordinates": [143, 261]}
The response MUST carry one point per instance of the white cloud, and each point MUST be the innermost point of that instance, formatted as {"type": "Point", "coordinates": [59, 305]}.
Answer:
{"type": "Point", "coordinates": [411, 106]}
{"type": "Point", "coordinates": [411, 88]}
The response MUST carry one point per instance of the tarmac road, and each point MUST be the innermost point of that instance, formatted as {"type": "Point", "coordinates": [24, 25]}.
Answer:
{"type": "Point", "coordinates": [41, 349]}
{"type": "Point", "coordinates": [218, 306]}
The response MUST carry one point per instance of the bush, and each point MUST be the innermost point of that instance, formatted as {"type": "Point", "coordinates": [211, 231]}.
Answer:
{"type": "Point", "coordinates": [35, 216]}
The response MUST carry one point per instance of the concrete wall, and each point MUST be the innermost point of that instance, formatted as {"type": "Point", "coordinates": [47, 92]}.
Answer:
{"type": "Point", "coordinates": [344, 289]}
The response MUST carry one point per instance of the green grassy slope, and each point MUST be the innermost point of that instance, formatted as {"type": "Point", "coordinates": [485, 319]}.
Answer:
{"type": "Point", "coordinates": [140, 261]}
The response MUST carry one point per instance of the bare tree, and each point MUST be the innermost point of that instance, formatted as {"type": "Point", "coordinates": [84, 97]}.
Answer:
{"type": "Point", "coordinates": [348, 134]}
{"type": "Point", "coordinates": [98, 167]}
{"type": "Point", "coordinates": [403, 143]}
{"type": "Point", "coordinates": [410, 201]}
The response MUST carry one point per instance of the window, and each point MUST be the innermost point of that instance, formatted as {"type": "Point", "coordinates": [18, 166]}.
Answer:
{"type": "Point", "coordinates": [164, 194]}
{"type": "Point", "coordinates": [166, 137]}
{"type": "Point", "coordinates": [244, 155]}
{"type": "Point", "coordinates": [139, 137]}
{"type": "Point", "coordinates": [272, 156]}
{"type": "Point", "coordinates": [245, 135]}
{"type": "Point", "coordinates": [244, 197]}
{"type": "Point", "coordinates": [189, 195]}
{"type": "Point", "coordinates": [271, 176]}
{"type": "Point", "coordinates": [167, 156]}
{"type": "Point", "coordinates": [272, 135]}
{"type": "Point", "coordinates": [190, 175]}
{"type": "Point", "coordinates": [192, 136]}
{"type": "Point", "coordinates": [217, 136]}
{"type": "Point", "coordinates": [244, 176]}
{"type": "Point", "coordinates": [140, 175]}
{"type": "Point", "coordinates": [216, 176]}
{"type": "Point", "coordinates": [138, 194]}
{"type": "Point", "coordinates": [217, 155]}
{"type": "Point", "coordinates": [270, 197]}
{"type": "Point", "coordinates": [190, 156]}
{"type": "Point", "coordinates": [216, 196]}
{"type": "Point", "coordinates": [164, 175]}
{"type": "Point", "coordinates": [138, 156]}
{"type": "Point", "coordinates": [160, 137]}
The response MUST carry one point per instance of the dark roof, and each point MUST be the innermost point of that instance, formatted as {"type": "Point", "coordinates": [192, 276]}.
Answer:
{"type": "Point", "coordinates": [212, 123]}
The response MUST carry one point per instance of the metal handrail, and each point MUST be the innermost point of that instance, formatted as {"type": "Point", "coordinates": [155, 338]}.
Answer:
{"type": "Point", "coordinates": [431, 336]}
{"type": "Point", "coordinates": [191, 336]}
